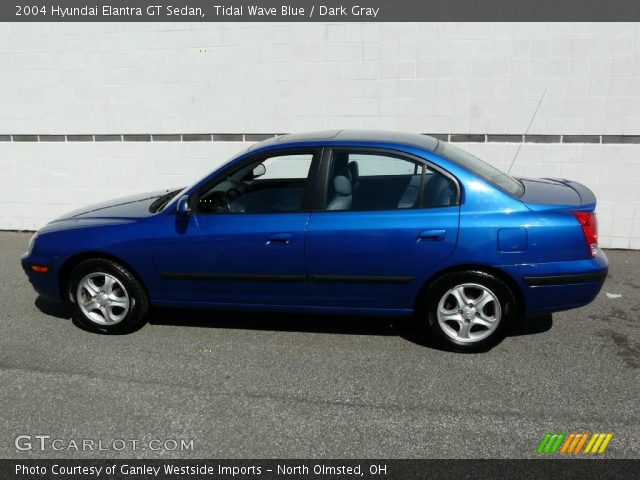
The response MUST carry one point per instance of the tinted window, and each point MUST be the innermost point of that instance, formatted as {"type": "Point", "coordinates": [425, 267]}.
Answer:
{"type": "Point", "coordinates": [363, 181]}
{"type": "Point", "coordinates": [270, 185]}
{"type": "Point", "coordinates": [481, 169]}
{"type": "Point", "coordinates": [371, 165]}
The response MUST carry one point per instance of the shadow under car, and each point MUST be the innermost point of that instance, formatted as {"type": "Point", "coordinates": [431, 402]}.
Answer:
{"type": "Point", "coordinates": [403, 327]}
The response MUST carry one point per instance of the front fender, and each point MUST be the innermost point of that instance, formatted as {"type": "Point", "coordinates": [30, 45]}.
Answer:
{"type": "Point", "coordinates": [60, 245]}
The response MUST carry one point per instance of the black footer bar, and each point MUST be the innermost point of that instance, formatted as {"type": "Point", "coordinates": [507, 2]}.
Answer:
{"type": "Point", "coordinates": [316, 469]}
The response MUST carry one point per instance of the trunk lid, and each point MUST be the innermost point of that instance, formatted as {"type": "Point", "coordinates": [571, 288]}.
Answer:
{"type": "Point", "coordinates": [556, 194]}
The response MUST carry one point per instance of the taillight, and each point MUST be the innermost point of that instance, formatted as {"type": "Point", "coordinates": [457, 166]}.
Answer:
{"type": "Point", "coordinates": [589, 224]}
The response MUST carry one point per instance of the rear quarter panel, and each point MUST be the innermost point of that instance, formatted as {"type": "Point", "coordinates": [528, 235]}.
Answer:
{"type": "Point", "coordinates": [553, 239]}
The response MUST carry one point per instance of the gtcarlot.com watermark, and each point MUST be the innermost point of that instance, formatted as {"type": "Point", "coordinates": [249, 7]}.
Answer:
{"type": "Point", "coordinates": [49, 443]}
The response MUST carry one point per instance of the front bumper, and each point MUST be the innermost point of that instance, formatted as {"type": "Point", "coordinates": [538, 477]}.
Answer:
{"type": "Point", "coordinates": [44, 283]}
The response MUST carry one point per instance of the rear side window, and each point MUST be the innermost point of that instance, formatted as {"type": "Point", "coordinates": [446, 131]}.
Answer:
{"type": "Point", "coordinates": [367, 181]}
{"type": "Point", "coordinates": [371, 165]}
{"type": "Point", "coordinates": [481, 169]}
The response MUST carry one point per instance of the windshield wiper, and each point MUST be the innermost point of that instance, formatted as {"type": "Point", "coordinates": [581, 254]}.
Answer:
{"type": "Point", "coordinates": [162, 201]}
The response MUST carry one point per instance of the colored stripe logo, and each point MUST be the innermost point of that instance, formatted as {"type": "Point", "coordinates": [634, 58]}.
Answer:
{"type": "Point", "coordinates": [573, 443]}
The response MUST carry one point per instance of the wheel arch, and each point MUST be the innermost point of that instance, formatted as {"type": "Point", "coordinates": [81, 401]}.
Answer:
{"type": "Point", "coordinates": [496, 272]}
{"type": "Point", "coordinates": [73, 261]}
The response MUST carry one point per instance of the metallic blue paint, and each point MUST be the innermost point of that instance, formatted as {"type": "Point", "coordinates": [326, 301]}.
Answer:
{"type": "Point", "coordinates": [513, 239]}
{"type": "Point", "coordinates": [338, 261]}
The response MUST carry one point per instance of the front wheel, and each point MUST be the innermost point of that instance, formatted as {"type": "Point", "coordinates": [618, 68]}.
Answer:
{"type": "Point", "coordinates": [107, 297]}
{"type": "Point", "coordinates": [468, 311]}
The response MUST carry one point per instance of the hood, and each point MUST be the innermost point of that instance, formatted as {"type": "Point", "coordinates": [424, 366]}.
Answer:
{"type": "Point", "coordinates": [546, 193]}
{"type": "Point", "coordinates": [134, 206]}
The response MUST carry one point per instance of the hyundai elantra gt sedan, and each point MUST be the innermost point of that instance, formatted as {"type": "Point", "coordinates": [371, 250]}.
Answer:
{"type": "Point", "coordinates": [348, 222]}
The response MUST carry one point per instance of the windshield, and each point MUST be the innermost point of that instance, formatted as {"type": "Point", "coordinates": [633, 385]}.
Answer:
{"type": "Point", "coordinates": [481, 169]}
{"type": "Point", "coordinates": [165, 199]}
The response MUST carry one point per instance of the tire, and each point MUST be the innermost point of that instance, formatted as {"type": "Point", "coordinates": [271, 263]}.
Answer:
{"type": "Point", "coordinates": [107, 298]}
{"type": "Point", "coordinates": [488, 310]}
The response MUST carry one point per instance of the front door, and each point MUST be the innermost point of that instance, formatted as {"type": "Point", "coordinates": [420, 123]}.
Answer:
{"type": "Point", "coordinates": [388, 220]}
{"type": "Point", "coordinates": [244, 242]}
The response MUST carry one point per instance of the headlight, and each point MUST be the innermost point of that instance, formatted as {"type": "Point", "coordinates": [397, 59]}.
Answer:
{"type": "Point", "coordinates": [32, 242]}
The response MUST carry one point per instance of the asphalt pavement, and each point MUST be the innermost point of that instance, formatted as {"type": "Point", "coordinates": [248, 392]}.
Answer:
{"type": "Point", "coordinates": [263, 385]}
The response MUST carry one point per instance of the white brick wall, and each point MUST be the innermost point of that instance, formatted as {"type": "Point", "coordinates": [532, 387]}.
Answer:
{"type": "Point", "coordinates": [43, 180]}
{"type": "Point", "coordinates": [115, 78]}
{"type": "Point", "coordinates": [478, 78]}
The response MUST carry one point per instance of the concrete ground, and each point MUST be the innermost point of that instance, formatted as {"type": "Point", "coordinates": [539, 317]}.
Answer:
{"type": "Point", "coordinates": [265, 385]}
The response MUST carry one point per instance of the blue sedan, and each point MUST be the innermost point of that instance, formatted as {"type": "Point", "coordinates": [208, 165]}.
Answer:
{"type": "Point", "coordinates": [349, 222]}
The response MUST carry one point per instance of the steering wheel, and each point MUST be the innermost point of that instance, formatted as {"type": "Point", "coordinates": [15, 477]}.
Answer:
{"type": "Point", "coordinates": [216, 202]}
{"type": "Point", "coordinates": [230, 196]}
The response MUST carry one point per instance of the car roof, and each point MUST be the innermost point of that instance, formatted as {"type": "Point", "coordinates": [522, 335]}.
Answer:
{"type": "Point", "coordinates": [424, 142]}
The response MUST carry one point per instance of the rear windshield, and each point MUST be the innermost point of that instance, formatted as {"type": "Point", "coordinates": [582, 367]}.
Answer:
{"type": "Point", "coordinates": [481, 169]}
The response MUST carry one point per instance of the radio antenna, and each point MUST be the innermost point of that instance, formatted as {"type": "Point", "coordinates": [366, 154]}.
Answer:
{"type": "Point", "coordinates": [527, 130]}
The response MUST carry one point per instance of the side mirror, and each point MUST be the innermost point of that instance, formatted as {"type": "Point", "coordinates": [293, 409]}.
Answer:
{"type": "Point", "coordinates": [183, 207]}
{"type": "Point", "coordinates": [259, 171]}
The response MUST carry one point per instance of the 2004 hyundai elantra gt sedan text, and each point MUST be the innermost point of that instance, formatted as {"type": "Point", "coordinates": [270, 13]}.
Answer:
{"type": "Point", "coordinates": [339, 221]}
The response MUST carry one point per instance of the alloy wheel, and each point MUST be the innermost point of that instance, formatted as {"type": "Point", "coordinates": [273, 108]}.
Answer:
{"type": "Point", "coordinates": [103, 298]}
{"type": "Point", "coordinates": [469, 312]}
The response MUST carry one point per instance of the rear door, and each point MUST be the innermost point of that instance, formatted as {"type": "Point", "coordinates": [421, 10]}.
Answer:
{"type": "Point", "coordinates": [386, 219]}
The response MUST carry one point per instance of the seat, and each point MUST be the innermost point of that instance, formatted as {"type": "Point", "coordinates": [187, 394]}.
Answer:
{"type": "Point", "coordinates": [439, 192]}
{"type": "Point", "coordinates": [343, 190]}
{"type": "Point", "coordinates": [411, 193]}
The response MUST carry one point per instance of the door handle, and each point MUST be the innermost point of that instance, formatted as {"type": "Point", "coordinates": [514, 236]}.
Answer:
{"type": "Point", "coordinates": [436, 235]}
{"type": "Point", "coordinates": [280, 238]}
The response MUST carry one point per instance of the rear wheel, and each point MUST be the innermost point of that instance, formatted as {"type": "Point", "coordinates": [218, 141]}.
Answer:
{"type": "Point", "coordinates": [468, 311]}
{"type": "Point", "coordinates": [107, 297]}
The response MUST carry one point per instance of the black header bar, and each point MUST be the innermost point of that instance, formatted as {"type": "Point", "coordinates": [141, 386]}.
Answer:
{"type": "Point", "coordinates": [318, 10]}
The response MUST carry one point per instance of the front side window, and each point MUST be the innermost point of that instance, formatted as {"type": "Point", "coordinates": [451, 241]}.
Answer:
{"type": "Point", "coordinates": [364, 181]}
{"type": "Point", "coordinates": [274, 184]}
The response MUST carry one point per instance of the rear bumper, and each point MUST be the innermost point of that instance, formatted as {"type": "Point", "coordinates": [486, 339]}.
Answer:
{"type": "Point", "coordinates": [552, 287]}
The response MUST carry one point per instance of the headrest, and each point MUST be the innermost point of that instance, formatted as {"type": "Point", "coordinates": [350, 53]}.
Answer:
{"type": "Point", "coordinates": [342, 185]}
